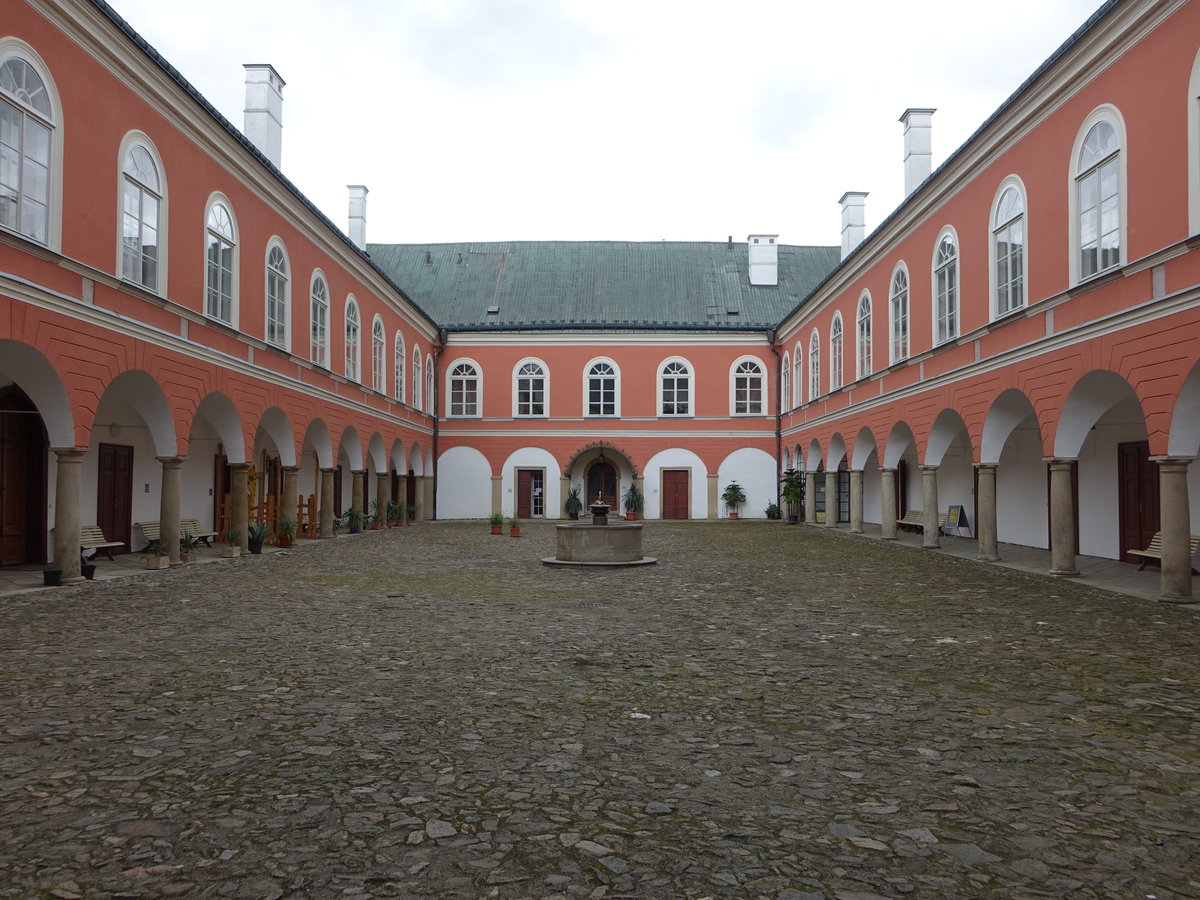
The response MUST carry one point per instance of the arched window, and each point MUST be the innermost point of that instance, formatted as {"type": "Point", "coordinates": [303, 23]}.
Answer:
{"type": "Point", "coordinates": [602, 389]}
{"type": "Point", "coordinates": [351, 369]}
{"type": "Point", "coordinates": [378, 376]}
{"type": "Point", "coordinates": [864, 336]}
{"type": "Point", "coordinates": [464, 390]}
{"type": "Point", "coordinates": [814, 366]}
{"type": "Point", "coordinates": [319, 322]}
{"type": "Point", "coordinates": [797, 376]}
{"type": "Point", "coordinates": [1098, 192]}
{"type": "Point", "coordinates": [835, 353]}
{"type": "Point", "coordinates": [141, 195]}
{"type": "Point", "coordinates": [278, 299]}
{"type": "Point", "coordinates": [1008, 250]}
{"type": "Point", "coordinates": [785, 389]}
{"type": "Point", "coordinates": [945, 289]}
{"type": "Point", "coordinates": [898, 305]}
{"type": "Point", "coordinates": [220, 263]}
{"type": "Point", "coordinates": [27, 140]}
{"type": "Point", "coordinates": [675, 389]}
{"type": "Point", "coordinates": [398, 374]}
{"type": "Point", "coordinates": [530, 389]}
{"type": "Point", "coordinates": [430, 398]}
{"type": "Point", "coordinates": [748, 388]}
{"type": "Point", "coordinates": [416, 378]}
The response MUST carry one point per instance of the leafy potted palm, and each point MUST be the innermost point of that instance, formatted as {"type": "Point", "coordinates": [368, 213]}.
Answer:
{"type": "Point", "coordinates": [255, 537]}
{"type": "Point", "coordinates": [733, 496]}
{"type": "Point", "coordinates": [286, 532]}
{"type": "Point", "coordinates": [395, 513]}
{"type": "Point", "coordinates": [514, 526]}
{"type": "Point", "coordinates": [574, 503]}
{"type": "Point", "coordinates": [378, 514]}
{"type": "Point", "coordinates": [355, 517]}
{"type": "Point", "coordinates": [156, 554]}
{"type": "Point", "coordinates": [411, 509]}
{"type": "Point", "coordinates": [497, 523]}
{"type": "Point", "coordinates": [791, 491]}
{"type": "Point", "coordinates": [187, 548]}
{"type": "Point", "coordinates": [634, 501]}
{"type": "Point", "coordinates": [772, 510]}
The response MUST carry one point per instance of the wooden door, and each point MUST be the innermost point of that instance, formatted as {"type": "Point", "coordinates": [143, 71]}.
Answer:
{"type": "Point", "coordinates": [524, 494]}
{"type": "Point", "coordinates": [602, 483]}
{"type": "Point", "coordinates": [676, 493]}
{"type": "Point", "coordinates": [23, 448]}
{"type": "Point", "coordinates": [1137, 486]}
{"type": "Point", "coordinates": [114, 494]}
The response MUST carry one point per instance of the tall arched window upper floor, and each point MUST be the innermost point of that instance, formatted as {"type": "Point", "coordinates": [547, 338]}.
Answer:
{"type": "Point", "coordinates": [464, 387]}
{"type": "Point", "coordinates": [863, 366]}
{"type": "Point", "coordinates": [601, 388]}
{"type": "Point", "coordinates": [378, 356]}
{"type": "Point", "coordinates": [797, 375]}
{"type": "Point", "coordinates": [430, 398]}
{"type": "Point", "coordinates": [318, 318]}
{"type": "Point", "coordinates": [398, 352]}
{"type": "Point", "coordinates": [1008, 248]}
{"type": "Point", "coordinates": [1098, 196]}
{"type": "Point", "coordinates": [676, 393]}
{"type": "Point", "coordinates": [814, 365]}
{"type": "Point", "coordinates": [747, 387]}
{"type": "Point", "coordinates": [945, 271]}
{"type": "Point", "coordinates": [898, 314]}
{"type": "Point", "coordinates": [836, 343]}
{"type": "Point", "coordinates": [1193, 148]}
{"type": "Point", "coordinates": [417, 382]}
{"type": "Point", "coordinates": [531, 389]}
{"type": "Point", "coordinates": [220, 261]}
{"type": "Point", "coordinates": [142, 212]}
{"type": "Point", "coordinates": [785, 388]}
{"type": "Point", "coordinates": [31, 146]}
{"type": "Point", "coordinates": [278, 294]}
{"type": "Point", "coordinates": [351, 368]}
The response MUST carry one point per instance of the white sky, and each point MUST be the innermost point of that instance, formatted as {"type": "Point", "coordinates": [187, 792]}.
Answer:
{"type": "Point", "coordinates": [608, 119]}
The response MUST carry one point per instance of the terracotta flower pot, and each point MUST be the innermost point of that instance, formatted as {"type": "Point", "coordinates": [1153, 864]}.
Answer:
{"type": "Point", "coordinates": [497, 529]}
{"type": "Point", "coordinates": [733, 515]}
{"type": "Point", "coordinates": [514, 532]}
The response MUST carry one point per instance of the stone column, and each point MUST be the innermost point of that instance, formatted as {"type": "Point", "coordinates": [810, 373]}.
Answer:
{"type": "Point", "coordinates": [1062, 519]}
{"type": "Point", "coordinates": [383, 489]}
{"type": "Point", "coordinates": [831, 499]}
{"type": "Point", "coordinates": [498, 494]}
{"type": "Point", "coordinates": [989, 549]}
{"type": "Point", "coordinates": [427, 493]}
{"type": "Point", "coordinates": [930, 531]}
{"type": "Point", "coordinates": [66, 513]}
{"type": "Point", "coordinates": [290, 510]}
{"type": "Point", "coordinates": [856, 501]}
{"type": "Point", "coordinates": [887, 502]}
{"type": "Point", "coordinates": [714, 507]}
{"type": "Point", "coordinates": [325, 502]}
{"type": "Point", "coordinates": [810, 498]}
{"type": "Point", "coordinates": [564, 485]}
{"type": "Point", "coordinates": [358, 477]}
{"type": "Point", "coordinates": [170, 500]}
{"type": "Point", "coordinates": [239, 502]}
{"type": "Point", "coordinates": [1175, 518]}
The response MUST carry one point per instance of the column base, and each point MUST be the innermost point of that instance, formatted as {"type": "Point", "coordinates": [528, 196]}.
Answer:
{"type": "Point", "coordinates": [856, 531]}
{"type": "Point", "coordinates": [1166, 599]}
{"type": "Point", "coordinates": [72, 579]}
{"type": "Point", "coordinates": [988, 558]}
{"type": "Point", "coordinates": [1064, 573]}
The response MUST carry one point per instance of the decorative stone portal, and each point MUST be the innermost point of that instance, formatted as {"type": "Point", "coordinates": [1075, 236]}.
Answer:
{"type": "Point", "coordinates": [599, 544]}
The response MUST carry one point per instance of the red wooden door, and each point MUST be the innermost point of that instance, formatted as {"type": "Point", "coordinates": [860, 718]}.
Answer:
{"type": "Point", "coordinates": [675, 494]}
{"type": "Point", "coordinates": [1137, 486]}
{"type": "Point", "coordinates": [524, 493]}
{"type": "Point", "coordinates": [22, 480]}
{"type": "Point", "coordinates": [114, 494]}
{"type": "Point", "coordinates": [602, 483]}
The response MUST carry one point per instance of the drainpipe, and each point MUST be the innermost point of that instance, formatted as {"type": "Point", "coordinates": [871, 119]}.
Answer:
{"type": "Point", "coordinates": [437, 413]}
{"type": "Point", "coordinates": [778, 416]}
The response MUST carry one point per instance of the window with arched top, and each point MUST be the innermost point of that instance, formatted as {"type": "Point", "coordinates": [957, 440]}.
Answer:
{"type": "Point", "coordinates": [318, 317]}
{"type": "Point", "coordinates": [601, 389]}
{"type": "Point", "coordinates": [141, 196]}
{"type": "Point", "coordinates": [1098, 197]}
{"type": "Point", "coordinates": [835, 353]}
{"type": "Point", "coordinates": [220, 256]}
{"type": "Point", "coordinates": [797, 376]}
{"type": "Point", "coordinates": [416, 379]}
{"type": "Point", "coordinates": [945, 289]}
{"type": "Point", "coordinates": [785, 388]}
{"type": "Point", "coordinates": [530, 389]}
{"type": "Point", "coordinates": [675, 388]}
{"type": "Point", "coordinates": [748, 394]}
{"type": "Point", "coordinates": [814, 366]}
{"type": "Point", "coordinates": [27, 143]}
{"type": "Point", "coordinates": [464, 390]}
{"type": "Point", "coordinates": [378, 341]}
{"type": "Point", "coordinates": [898, 309]}
{"type": "Point", "coordinates": [863, 322]}
{"type": "Point", "coordinates": [430, 397]}
{"type": "Point", "coordinates": [278, 296]}
{"type": "Point", "coordinates": [353, 327]}
{"type": "Point", "coordinates": [1008, 251]}
{"type": "Point", "coordinates": [398, 368]}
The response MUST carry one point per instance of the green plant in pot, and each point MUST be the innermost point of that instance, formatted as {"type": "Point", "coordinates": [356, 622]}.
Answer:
{"type": "Point", "coordinates": [232, 548]}
{"type": "Point", "coordinates": [157, 554]}
{"type": "Point", "coordinates": [573, 505]}
{"type": "Point", "coordinates": [634, 501]}
{"type": "Point", "coordinates": [378, 514]}
{"type": "Point", "coordinates": [395, 512]}
{"type": "Point", "coordinates": [733, 496]}
{"type": "Point", "coordinates": [286, 532]}
{"type": "Point", "coordinates": [355, 518]}
{"type": "Point", "coordinates": [514, 526]}
{"type": "Point", "coordinates": [791, 491]}
{"type": "Point", "coordinates": [255, 537]}
{"type": "Point", "coordinates": [497, 523]}
{"type": "Point", "coordinates": [772, 510]}
{"type": "Point", "coordinates": [187, 547]}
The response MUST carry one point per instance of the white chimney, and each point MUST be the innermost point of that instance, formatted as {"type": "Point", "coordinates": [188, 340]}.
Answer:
{"type": "Point", "coordinates": [264, 110]}
{"type": "Point", "coordinates": [358, 215]}
{"type": "Point", "coordinates": [854, 223]}
{"type": "Point", "coordinates": [918, 147]}
{"type": "Point", "coordinates": [764, 259]}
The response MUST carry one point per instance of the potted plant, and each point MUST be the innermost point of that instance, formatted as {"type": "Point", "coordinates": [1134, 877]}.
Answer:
{"type": "Point", "coordinates": [497, 521]}
{"type": "Point", "coordinates": [772, 510]}
{"type": "Point", "coordinates": [255, 537]}
{"type": "Point", "coordinates": [355, 518]}
{"type": "Point", "coordinates": [411, 509]}
{"type": "Point", "coordinates": [733, 496]}
{"type": "Point", "coordinates": [378, 514]}
{"type": "Point", "coordinates": [231, 550]}
{"type": "Point", "coordinates": [395, 513]}
{"type": "Point", "coordinates": [573, 505]}
{"type": "Point", "coordinates": [156, 554]}
{"type": "Point", "coordinates": [634, 501]}
{"type": "Point", "coordinates": [791, 491]}
{"type": "Point", "coordinates": [51, 577]}
{"type": "Point", "coordinates": [88, 571]}
{"type": "Point", "coordinates": [187, 548]}
{"type": "Point", "coordinates": [514, 526]}
{"type": "Point", "coordinates": [286, 532]}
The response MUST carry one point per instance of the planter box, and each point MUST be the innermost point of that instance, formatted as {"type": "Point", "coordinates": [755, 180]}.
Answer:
{"type": "Point", "coordinates": [228, 552]}
{"type": "Point", "coordinates": [157, 562]}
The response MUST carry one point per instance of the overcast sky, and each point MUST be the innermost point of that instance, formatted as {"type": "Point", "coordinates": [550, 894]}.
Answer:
{"type": "Point", "coordinates": [480, 120]}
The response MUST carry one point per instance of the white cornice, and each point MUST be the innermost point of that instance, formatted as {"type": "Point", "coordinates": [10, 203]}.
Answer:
{"type": "Point", "coordinates": [604, 338]}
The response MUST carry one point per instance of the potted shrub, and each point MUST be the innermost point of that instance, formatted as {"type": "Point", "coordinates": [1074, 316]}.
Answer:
{"type": "Point", "coordinates": [355, 518]}
{"type": "Point", "coordinates": [286, 532]}
{"type": "Point", "coordinates": [395, 513]}
{"type": "Point", "coordinates": [378, 514]}
{"type": "Point", "coordinates": [733, 496]}
{"type": "Point", "coordinates": [255, 537]}
{"type": "Point", "coordinates": [231, 550]}
{"type": "Point", "coordinates": [497, 521]}
{"type": "Point", "coordinates": [187, 548]}
{"type": "Point", "coordinates": [411, 509]}
{"type": "Point", "coordinates": [772, 511]}
{"type": "Point", "coordinates": [156, 554]}
{"type": "Point", "coordinates": [633, 500]}
{"type": "Point", "coordinates": [791, 491]}
{"type": "Point", "coordinates": [514, 526]}
{"type": "Point", "coordinates": [573, 505]}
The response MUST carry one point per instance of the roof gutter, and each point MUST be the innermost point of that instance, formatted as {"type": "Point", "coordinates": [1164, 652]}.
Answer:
{"type": "Point", "coordinates": [778, 415]}
{"type": "Point", "coordinates": [437, 415]}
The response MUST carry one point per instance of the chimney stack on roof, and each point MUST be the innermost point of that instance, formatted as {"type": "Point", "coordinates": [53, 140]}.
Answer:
{"type": "Point", "coordinates": [358, 215]}
{"type": "Point", "coordinates": [918, 147]}
{"type": "Point", "coordinates": [264, 110]}
{"type": "Point", "coordinates": [854, 223]}
{"type": "Point", "coordinates": [764, 259]}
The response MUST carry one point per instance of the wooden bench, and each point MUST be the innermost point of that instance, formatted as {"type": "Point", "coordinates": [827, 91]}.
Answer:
{"type": "Point", "coordinates": [915, 519]}
{"type": "Point", "coordinates": [1154, 551]}
{"type": "Point", "coordinates": [91, 537]}
{"type": "Point", "coordinates": [153, 532]}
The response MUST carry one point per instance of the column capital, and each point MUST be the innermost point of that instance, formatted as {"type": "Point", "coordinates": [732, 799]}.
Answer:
{"type": "Point", "coordinates": [171, 462]}
{"type": "Point", "coordinates": [926, 468]}
{"type": "Point", "coordinates": [358, 471]}
{"type": "Point", "coordinates": [328, 470]}
{"type": "Point", "coordinates": [982, 466]}
{"type": "Point", "coordinates": [292, 469]}
{"type": "Point", "coordinates": [240, 467]}
{"type": "Point", "coordinates": [887, 469]}
{"type": "Point", "coordinates": [69, 454]}
{"type": "Point", "coordinates": [1179, 463]}
{"type": "Point", "coordinates": [1060, 462]}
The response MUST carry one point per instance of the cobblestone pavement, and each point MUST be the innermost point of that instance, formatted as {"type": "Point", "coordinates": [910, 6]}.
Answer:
{"type": "Point", "coordinates": [773, 712]}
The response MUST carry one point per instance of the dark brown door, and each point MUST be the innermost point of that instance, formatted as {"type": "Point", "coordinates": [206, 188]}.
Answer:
{"type": "Point", "coordinates": [410, 491]}
{"type": "Point", "coordinates": [524, 493]}
{"type": "Point", "coordinates": [114, 494]}
{"type": "Point", "coordinates": [602, 483]}
{"type": "Point", "coordinates": [1138, 497]}
{"type": "Point", "coordinates": [22, 480]}
{"type": "Point", "coordinates": [675, 494]}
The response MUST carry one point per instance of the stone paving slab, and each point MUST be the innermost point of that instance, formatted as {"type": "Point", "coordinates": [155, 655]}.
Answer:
{"type": "Point", "coordinates": [769, 712]}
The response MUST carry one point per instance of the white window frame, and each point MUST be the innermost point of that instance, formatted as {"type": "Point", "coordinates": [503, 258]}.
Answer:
{"type": "Point", "coordinates": [417, 384]}
{"type": "Point", "coordinates": [945, 278]}
{"type": "Point", "coordinates": [378, 355]}
{"type": "Point", "coordinates": [399, 359]}
{"type": "Point", "coordinates": [159, 195]}
{"type": "Point", "coordinates": [785, 389]}
{"type": "Point", "coordinates": [814, 365]}
{"type": "Point", "coordinates": [687, 376]}
{"type": "Point", "coordinates": [863, 329]}
{"type": "Point", "coordinates": [543, 377]}
{"type": "Point", "coordinates": [837, 340]}
{"type": "Point", "coordinates": [276, 274]}
{"type": "Point", "coordinates": [430, 396]}
{"type": "Point", "coordinates": [899, 345]}
{"type": "Point", "coordinates": [797, 376]}
{"type": "Point", "coordinates": [1193, 147]}
{"type": "Point", "coordinates": [1111, 115]}
{"type": "Point", "coordinates": [318, 326]}
{"type": "Point", "coordinates": [352, 340]}
{"type": "Point", "coordinates": [464, 389]}
{"type": "Point", "coordinates": [11, 47]}
{"type": "Point", "coordinates": [616, 387]}
{"type": "Point", "coordinates": [997, 229]}
{"type": "Point", "coordinates": [215, 201]}
{"type": "Point", "coordinates": [738, 372]}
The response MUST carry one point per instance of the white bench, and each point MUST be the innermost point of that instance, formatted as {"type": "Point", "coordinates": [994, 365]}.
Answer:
{"type": "Point", "coordinates": [915, 519]}
{"type": "Point", "coordinates": [1155, 552]}
{"type": "Point", "coordinates": [91, 537]}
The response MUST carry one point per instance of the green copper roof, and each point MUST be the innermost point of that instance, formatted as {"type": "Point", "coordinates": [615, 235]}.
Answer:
{"type": "Point", "coordinates": [590, 284]}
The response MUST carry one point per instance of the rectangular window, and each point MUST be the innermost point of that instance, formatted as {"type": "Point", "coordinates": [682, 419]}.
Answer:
{"type": "Point", "coordinates": [602, 395]}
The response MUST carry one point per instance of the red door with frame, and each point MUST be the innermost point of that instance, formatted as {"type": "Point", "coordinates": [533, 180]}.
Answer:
{"type": "Point", "coordinates": [675, 493]}
{"type": "Point", "coordinates": [114, 494]}
{"type": "Point", "coordinates": [602, 483]}
{"type": "Point", "coordinates": [23, 447]}
{"type": "Point", "coordinates": [1137, 486]}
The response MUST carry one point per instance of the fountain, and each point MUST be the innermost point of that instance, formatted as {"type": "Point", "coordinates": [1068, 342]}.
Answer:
{"type": "Point", "coordinates": [599, 544]}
